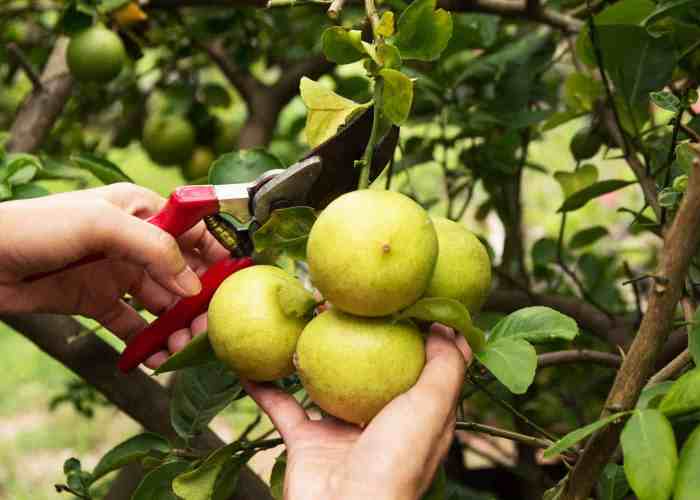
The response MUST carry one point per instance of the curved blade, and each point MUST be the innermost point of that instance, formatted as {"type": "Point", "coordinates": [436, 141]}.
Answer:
{"type": "Point", "coordinates": [316, 183]}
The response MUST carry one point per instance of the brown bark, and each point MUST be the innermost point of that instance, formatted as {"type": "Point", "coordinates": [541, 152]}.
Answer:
{"type": "Point", "coordinates": [680, 244]}
{"type": "Point", "coordinates": [136, 394]}
{"type": "Point", "coordinates": [44, 104]}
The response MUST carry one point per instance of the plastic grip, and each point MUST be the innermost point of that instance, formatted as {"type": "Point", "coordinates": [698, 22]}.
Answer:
{"type": "Point", "coordinates": [155, 336]}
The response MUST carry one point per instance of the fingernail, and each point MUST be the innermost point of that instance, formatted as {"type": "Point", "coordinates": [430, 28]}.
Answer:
{"type": "Point", "coordinates": [188, 281]}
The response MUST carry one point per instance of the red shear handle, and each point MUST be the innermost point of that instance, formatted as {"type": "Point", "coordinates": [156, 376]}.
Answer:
{"type": "Point", "coordinates": [185, 207]}
{"type": "Point", "coordinates": [155, 337]}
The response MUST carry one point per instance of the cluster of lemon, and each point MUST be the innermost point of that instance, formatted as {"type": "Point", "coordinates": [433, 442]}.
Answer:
{"type": "Point", "coordinates": [370, 254]}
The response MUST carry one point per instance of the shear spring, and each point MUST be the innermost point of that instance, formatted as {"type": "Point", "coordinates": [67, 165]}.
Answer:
{"type": "Point", "coordinates": [223, 231]}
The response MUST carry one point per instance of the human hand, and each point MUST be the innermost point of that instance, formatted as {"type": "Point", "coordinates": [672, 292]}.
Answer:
{"type": "Point", "coordinates": [395, 457]}
{"type": "Point", "coordinates": [49, 233]}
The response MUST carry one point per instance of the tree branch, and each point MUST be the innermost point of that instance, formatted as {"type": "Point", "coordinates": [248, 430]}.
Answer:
{"type": "Point", "coordinates": [41, 108]}
{"type": "Point", "coordinates": [514, 9]}
{"type": "Point", "coordinates": [578, 356]}
{"type": "Point", "coordinates": [19, 57]}
{"type": "Point", "coordinates": [246, 84]}
{"type": "Point", "coordinates": [136, 394]}
{"type": "Point", "coordinates": [287, 86]}
{"type": "Point", "coordinates": [680, 244]}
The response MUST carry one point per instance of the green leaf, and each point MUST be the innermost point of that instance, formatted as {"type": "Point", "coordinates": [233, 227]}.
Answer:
{"type": "Point", "coordinates": [19, 169]}
{"type": "Point", "coordinates": [343, 46]}
{"type": "Point", "coordinates": [245, 165]}
{"type": "Point", "coordinates": [438, 486]}
{"type": "Point", "coordinates": [5, 192]}
{"type": "Point", "coordinates": [581, 92]}
{"type": "Point", "coordinates": [327, 111]}
{"type": "Point", "coordinates": [636, 62]}
{"type": "Point", "coordinates": [199, 394]}
{"type": "Point", "coordinates": [108, 6]}
{"type": "Point", "coordinates": [535, 324]}
{"type": "Point", "coordinates": [106, 171]}
{"type": "Point", "coordinates": [512, 361]}
{"type": "Point", "coordinates": [613, 483]}
{"type": "Point", "coordinates": [197, 352]}
{"type": "Point", "coordinates": [580, 198]}
{"type": "Point", "coordinates": [287, 231]}
{"type": "Point", "coordinates": [572, 182]}
{"type": "Point", "coordinates": [295, 300]}
{"type": "Point", "coordinates": [397, 95]}
{"type": "Point", "coordinates": [651, 396]}
{"type": "Point", "coordinates": [198, 483]}
{"type": "Point", "coordinates": [131, 450]}
{"type": "Point", "coordinates": [687, 477]}
{"type": "Point", "coordinates": [684, 396]}
{"type": "Point", "coordinates": [694, 339]}
{"type": "Point", "coordinates": [449, 312]}
{"type": "Point", "coordinates": [667, 8]}
{"type": "Point", "coordinates": [665, 100]}
{"type": "Point", "coordinates": [388, 56]}
{"type": "Point", "coordinates": [587, 237]}
{"type": "Point", "coordinates": [156, 485]}
{"type": "Point", "coordinates": [650, 456]}
{"type": "Point", "coordinates": [577, 435]}
{"type": "Point", "coordinates": [226, 483]}
{"type": "Point", "coordinates": [30, 190]}
{"type": "Point", "coordinates": [685, 155]}
{"type": "Point", "coordinates": [422, 31]}
{"type": "Point", "coordinates": [277, 476]}
{"type": "Point", "coordinates": [561, 118]}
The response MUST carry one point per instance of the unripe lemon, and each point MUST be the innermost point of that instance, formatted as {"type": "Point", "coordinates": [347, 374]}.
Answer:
{"type": "Point", "coordinates": [248, 327]}
{"type": "Point", "coordinates": [352, 367]}
{"type": "Point", "coordinates": [169, 139]}
{"type": "Point", "coordinates": [95, 54]}
{"type": "Point", "coordinates": [198, 166]}
{"type": "Point", "coordinates": [372, 252]}
{"type": "Point", "coordinates": [463, 269]}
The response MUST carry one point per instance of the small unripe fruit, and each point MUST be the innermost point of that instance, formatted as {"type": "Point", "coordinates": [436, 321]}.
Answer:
{"type": "Point", "coordinates": [680, 183]}
{"type": "Point", "coordinates": [95, 54]}
{"type": "Point", "coordinates": [585, 144]}
{"type": "Point", "coordinates": [198, 166]}
{"type": "Point", "coordinates": [169, 139]}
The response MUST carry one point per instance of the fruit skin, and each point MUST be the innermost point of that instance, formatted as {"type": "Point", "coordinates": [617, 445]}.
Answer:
{"type": "Point", "coordinates": [372, 253]}
{"type": "Point", "coordinates": [96, 54]}
{"type": "Point", "coordinates": [198, 166]}
{"type": "Point", "coordinates": [352, 367]}
{"type": "Point", "coordinates": [168, 140]}
{"type": "Point", "coordinates": [249, 330]}
{"type": "Point", "coordinates": [463, 269]}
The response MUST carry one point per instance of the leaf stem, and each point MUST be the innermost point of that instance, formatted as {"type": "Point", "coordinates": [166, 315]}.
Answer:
{"type": "Point", "coordinates": [368, 155]}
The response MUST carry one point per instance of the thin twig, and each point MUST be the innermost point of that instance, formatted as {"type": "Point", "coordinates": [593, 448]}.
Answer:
{"type": "Point", "coordinates": [250, 427]}
{"type": "Point", "coordinates": [682, 360]}
{"type": "Point", "coordinates": [335, 8]}
{"type": "Point", "coordinates": [503, 433]}
{"type": "Point", "coordinates": [510, 408]}
{"type": "Point", "coordinates": [21, 59]}
{"type": "Point", "coordinates": [692, 133]}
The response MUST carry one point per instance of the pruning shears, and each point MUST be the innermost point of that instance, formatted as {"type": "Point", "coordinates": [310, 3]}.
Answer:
{"type": "Point", "coordinates": [318, 178]}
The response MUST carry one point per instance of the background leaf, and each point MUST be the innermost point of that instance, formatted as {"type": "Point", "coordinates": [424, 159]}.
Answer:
{"type": "Point", "coordinates": [242, 166]}
{"type": "Point", "coordinates": [131, 450]}
{"type": "Point", "coordinates": [156, 485]}
{"type": "Point", "coordinates": [577, 435]}
{"type": "Point", "coordinates": [106, 171]}
{"type": "Point", "coordinates": [587, 237]}
{"type": "Point", "coordinates": [512, 361]}
{"type": "Point", "coordinates": [422, 31]}
{"type": "Point", "coordinates": [684, 395]}
{"type": "Point", "coordinates": [688, 479]}
{"type": "Point", "coordinates": [650, 455]}
{"type": "Point", "coordinates": [535, 324]}
{"type": "Point", "coordinates": [580, 198]}
{"type": "Point", "coordinates": [199, 394]}
{"type": "Point", "coordinates": [613, 483]}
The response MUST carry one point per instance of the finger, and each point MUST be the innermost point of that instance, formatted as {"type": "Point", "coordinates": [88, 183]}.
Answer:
{"type": "Point", "coordinates": [157, 359]}
{"type": "Point", "coordinates": [284, 411]}
{"type": "Point", "coordinates": [131, 198]}
{"type": "Point", "coordinates": [460, 341]}
{"type": "Point", "coordinates": [121, 235]}
{"type": "Point", "coordinates": [178, 340]}
{"type": "Point", "coordinates": [200, 239]}
{"type": "Point", "coordinates": [122, 320]}
{"type": "Point", "coordinates": [153, 296]}
{"type": "Point", "coordinates": [199, 325]}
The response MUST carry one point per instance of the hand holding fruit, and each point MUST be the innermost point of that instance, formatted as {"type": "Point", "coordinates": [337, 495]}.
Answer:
{"type": "Point", "coordinates": [49, 233]}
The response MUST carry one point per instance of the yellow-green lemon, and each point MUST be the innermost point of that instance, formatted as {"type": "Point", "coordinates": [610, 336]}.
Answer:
{"type": "Point", "coordinates": [168, 139]}
{"type": "Point", "coordinates": [351, 367]}
{"type": "Point", "coordinates": [249, 328]}
{"type": "Point", "coordinates": [463, 269]}
{"type": "Point", "coordinates": [371, 252]}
